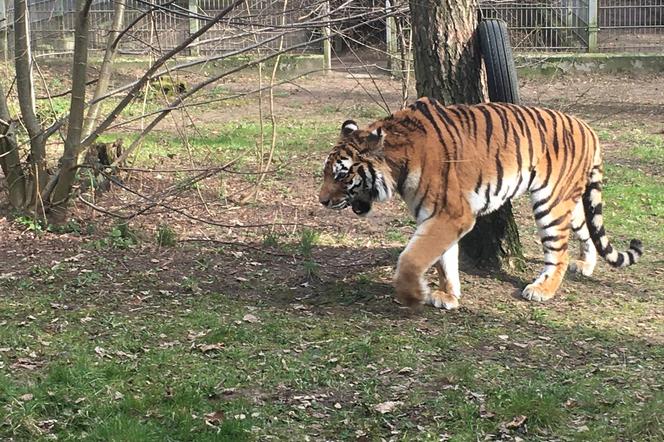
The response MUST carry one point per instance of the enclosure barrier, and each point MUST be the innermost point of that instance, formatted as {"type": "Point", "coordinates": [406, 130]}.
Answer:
{"type": "Point", "coordinates": [554, 25]}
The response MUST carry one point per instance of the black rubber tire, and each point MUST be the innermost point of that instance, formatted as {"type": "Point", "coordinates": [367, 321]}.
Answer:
{"type": "Point", "coordinates": [499, 61]}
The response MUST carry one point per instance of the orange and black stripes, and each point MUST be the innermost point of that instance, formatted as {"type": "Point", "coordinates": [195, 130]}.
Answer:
{"type": "Point", "coordinates": [455, 163]}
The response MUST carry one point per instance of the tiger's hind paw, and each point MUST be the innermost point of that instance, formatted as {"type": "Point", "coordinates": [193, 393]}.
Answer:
{"type": "Point", "coordinates": [535, 292]}
{"type": "Point", "coordinates": [582, 267]}
{"type": "Point", "coordinates": [441, 299]}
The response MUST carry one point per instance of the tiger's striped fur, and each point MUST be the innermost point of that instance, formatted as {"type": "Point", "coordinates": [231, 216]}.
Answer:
{"type": "Point", "coordinates": [451, 164]}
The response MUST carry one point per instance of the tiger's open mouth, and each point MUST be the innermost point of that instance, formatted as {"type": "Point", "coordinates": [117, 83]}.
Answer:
{"type": "Point", "coordinates": [361, 207]}
{"type": "Point", "coordinates": [340, 205]}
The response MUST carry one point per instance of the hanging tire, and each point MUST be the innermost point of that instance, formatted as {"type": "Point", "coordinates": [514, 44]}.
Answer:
{"type": "Point", "coordinates": [499, 61]}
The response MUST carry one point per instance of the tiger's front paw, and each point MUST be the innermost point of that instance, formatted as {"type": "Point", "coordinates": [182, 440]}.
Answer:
{"type": "Point", "coordinates": [441, 299]}
{"type": "Point", "coordinates": [410, 293]}
{"type": "Point", "coordinates": [536, 292]}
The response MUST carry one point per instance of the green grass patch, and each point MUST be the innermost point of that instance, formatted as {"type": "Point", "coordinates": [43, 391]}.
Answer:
{"type": "Point", "coordinates": [634, 203]}
{"type": "Point", "coordinates": [223, 142]}
{"type": "Point", "coordinates": [648, 147]}
{"type": "Point", "coordinates": [201, 372]}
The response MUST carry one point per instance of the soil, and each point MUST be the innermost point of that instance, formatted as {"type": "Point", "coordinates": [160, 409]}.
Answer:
{"type": "Point", "coordinates": [229, 253]}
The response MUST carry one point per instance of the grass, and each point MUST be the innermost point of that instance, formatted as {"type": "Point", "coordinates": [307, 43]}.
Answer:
{"type": "Point", "coordinates": [646, 146]}
{"type": "Point", "coordinates": [166, 236]}
{"type": "Point", "coordinates": [150, 376]}
{"type": "Point", "coordinates": [176, 342]}
{"type": "Point", "coordinates": [223, 142]}
{"type": "Point", "coordinates": [634, 202]}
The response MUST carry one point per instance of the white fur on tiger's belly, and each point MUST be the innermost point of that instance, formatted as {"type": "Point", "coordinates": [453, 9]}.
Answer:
{"type": "Point", "coordinates": [478, 200]}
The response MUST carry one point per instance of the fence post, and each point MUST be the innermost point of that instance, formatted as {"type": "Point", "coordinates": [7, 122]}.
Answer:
{"type": "Point", "coordinates": [4, 26]}
{"type": "Point", "coordinates": [327, 44]}
{"type": "Point", "coordinates": [391, 40]}
{"type": "Point", "coordinates": [193, 27]}
{"type": "Point", "coordinates": [592, 25]}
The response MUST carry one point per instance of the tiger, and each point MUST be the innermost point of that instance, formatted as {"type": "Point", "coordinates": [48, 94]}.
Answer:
{"type": "Point", "coordinates": [452, 164]}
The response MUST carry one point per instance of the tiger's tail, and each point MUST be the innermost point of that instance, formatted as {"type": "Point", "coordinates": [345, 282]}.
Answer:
{"type": "Point", "coordinates": [592, 206]}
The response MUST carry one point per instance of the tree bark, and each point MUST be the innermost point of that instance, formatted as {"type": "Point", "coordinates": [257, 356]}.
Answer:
{"type": "Point", "coordinates": [448, 67]}
{"type": "Point", "coordinates": [10, 161]}
{"type": "Point", "coordinates": [72, 149]}
{"type": "Point", "coordinates": [26, 99]}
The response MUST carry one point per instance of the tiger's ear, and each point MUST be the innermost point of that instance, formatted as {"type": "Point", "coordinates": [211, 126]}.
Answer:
{"type": "Point", "coordinates": [375, 139]}
{"type": "Point", "coordinates": [348, 127]}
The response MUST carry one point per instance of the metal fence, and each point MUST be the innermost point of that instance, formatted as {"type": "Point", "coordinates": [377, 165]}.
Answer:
{"type": "Point", "coordinates": [582, 25]}
{"type": "Point", "coordinates": [535, 25]}
{"type": "Point", "coordinates": [543, 25]}
{"type": "Point", "coordinates": [52, 25]}
{"type": "Point", "coordinates": [631, 25]}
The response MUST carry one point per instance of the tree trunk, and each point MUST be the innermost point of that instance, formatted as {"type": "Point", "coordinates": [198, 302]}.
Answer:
{"type": "Point", "coordinates": [26, 99]}
{"type": "Point", "coordinates": [72, 148]}
{"type": "Point", "coordinates": [10, 161]}
{"type": "Point", "coordinates": [448, 67]}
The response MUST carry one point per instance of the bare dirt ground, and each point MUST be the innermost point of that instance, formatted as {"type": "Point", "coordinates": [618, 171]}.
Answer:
{"type": "Point", "coordinates": [304, 340]}
{"type": "Point", "coordinates": [290, 205]}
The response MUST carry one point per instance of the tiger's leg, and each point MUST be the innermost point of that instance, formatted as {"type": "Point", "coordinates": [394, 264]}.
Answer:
{"type": "Point", "coordinates": [429, 241]}
{"type": "Point", "coordinates": [554, 230]}
{"type": "Point", "coordinates": [449, 287]}
{"type": "Point", "coordinates": [588, 255]}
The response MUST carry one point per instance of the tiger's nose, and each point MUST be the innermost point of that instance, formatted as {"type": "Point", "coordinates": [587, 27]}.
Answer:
{"type": "Point", "coordinates": [324, 201]}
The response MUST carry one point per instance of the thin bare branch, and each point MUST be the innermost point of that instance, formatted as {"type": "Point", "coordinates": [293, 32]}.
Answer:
{"type": "Point", "coordinates": [148, 74]}
{"type": "Point", "coordinates": [106, 66]}
{"type": "Point", "coordinates": [176, 103]}
{"type": "Point", "coordinates": [273, 119]}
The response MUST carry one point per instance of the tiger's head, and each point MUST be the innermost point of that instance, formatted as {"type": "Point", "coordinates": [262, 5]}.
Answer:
{"type": "Point", "coordinates": [354, 172]}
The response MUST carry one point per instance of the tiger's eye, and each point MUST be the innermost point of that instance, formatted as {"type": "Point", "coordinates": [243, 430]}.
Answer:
{"type": "Point", "coordinates": [340, 176]}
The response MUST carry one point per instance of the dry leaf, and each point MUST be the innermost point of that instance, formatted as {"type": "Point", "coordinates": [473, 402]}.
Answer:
{"type": "Point", "coordinates": [27, 364]}
{"type": "Point", "coordinates": [387, 407]}
{"type": "Point", "coordinates": [517, 422]}
{"type": "Point", "coordinates": [570, 403]}
{"type": "Point", "coordinates": [485, 414]}
{"type": "Point", "coordinates": [214, 418]}
{"type": "Point", "coordinates": [9, 276]}
{"type": "Point", "coordinates": [26, 397]}
{"type": "Point", "coordinates": [195, 335]}
{"type": "Point", "coordinates": [122, 354]}
{"type": "Point", "coordinates": [250, 318]}
{"type": "Point", "coordinates": [405, 370]}
{"type": "Point", "coordinates": [47, 425]}
{"type": "Point", "coordinates": [210, 347]}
